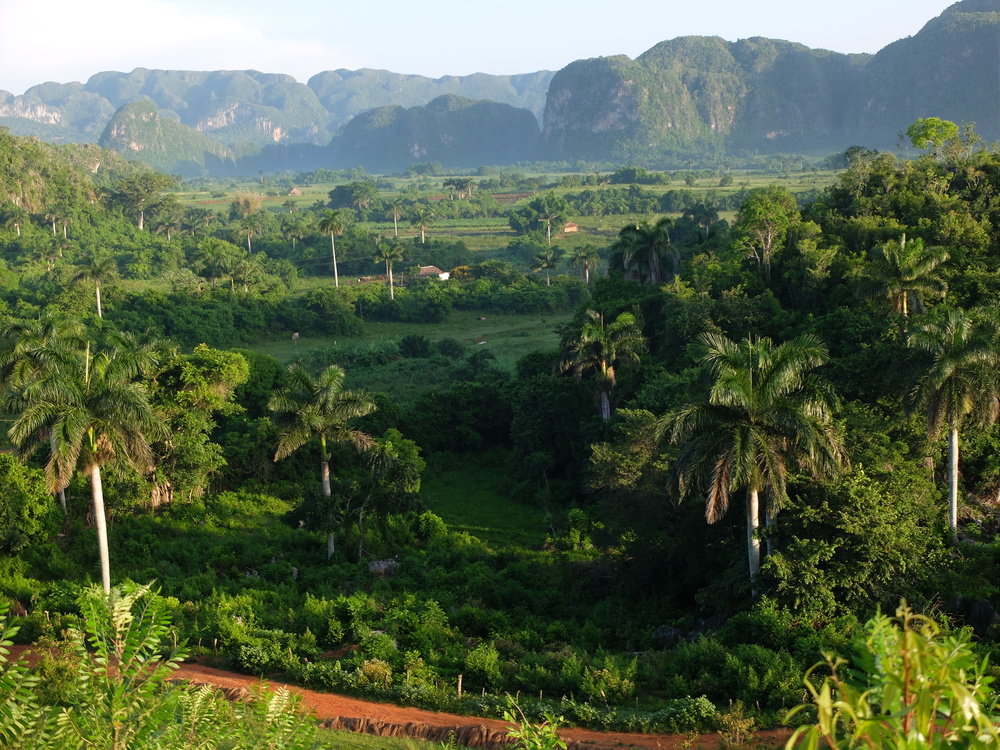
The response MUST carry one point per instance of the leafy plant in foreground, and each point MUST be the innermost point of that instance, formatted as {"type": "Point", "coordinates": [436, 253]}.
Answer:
{"type": "Point", "coordinates": [119, 697]}
{"type": "Point", "coordinates": [909, 686]}
{"type": "Point", "coordinates": [531, 736]}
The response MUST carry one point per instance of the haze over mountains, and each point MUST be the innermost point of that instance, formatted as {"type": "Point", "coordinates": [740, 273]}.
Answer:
{"type": "Point", "coordinates": [689, 99]}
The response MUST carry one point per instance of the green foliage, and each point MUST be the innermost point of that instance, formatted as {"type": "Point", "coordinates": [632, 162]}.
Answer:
{"type": "Point", "coordinates": [853, 546]}
{"type": "Point", "coordinates": [931, 131]}
{"type": "Point", "coordinates": [115, 692]}
{"type": "Point", "coordinates": [907, 684]}
{"type": "Point", "coordinates": [531, 736]}
{"type": "Point", "coordinates": [28, 513]}
{"type": "Point", "coordinates": [752, 673]}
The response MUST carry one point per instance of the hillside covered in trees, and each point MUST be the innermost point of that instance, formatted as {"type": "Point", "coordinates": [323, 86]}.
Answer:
{"type": "Point", "coordinates": [764, 416]}
{"type": "Point", "coordinates": [688, 100]}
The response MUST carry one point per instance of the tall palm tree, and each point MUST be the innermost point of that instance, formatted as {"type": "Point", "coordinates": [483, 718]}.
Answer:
{"type": "Point", "coordinates": [389, 253]}
{"type": "Point", "coordinates": [703, 214]}
{"type": "Point", "coordinates": [15, 216]}
{"type": "Point", "coordinates": [52, 216]}
{"type": "Point", "coordinates": [333, 223]}
{"type": "Point", "coordinates": [646, 246]}
{"type": "Point", "coordinates": [294, 228]}
{"type": "Point", "coordinates": [197, 220]}
{"type": "Point", "coordinates": [96, 268]}
{"type": "Point", "coordinates": [248, 270]}
{"type": "Point", "coordinates": [310, 407]}
{"type": "Point", "coordinates": [961, 387]}
{"type": "Point", "coordinates": [422, 219]}
{"type": "Point", "coordinates": [548, 217]}
{"type": "Point", "coordinates": [905, 272]}
{"type": "Point", "coordinates": [93, 411]}
{"type": "Point", "coordinates": [397, 207]}
{"type": "Point", "coordinates": [585, 258]}
{"type": "Point", "coordinates": [763, 412]}
{"type": "Point", "coordinates": [250, 225]}
{"type": "Point", "coordinates": [544, 260]}
{"type": "Point", "coordinates": [28, 348]}
{"type": "Point", "coordinates": [599, 349]}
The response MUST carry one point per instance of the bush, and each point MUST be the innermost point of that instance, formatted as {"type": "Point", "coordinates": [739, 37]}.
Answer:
{"type": "Point", "coordinates": [907, 684]}
{"type": "Point", "coordinates": [27, 511]}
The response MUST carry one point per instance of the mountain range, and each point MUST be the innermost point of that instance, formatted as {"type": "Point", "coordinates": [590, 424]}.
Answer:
{"type": "Point", "coordinates": [685, 100]}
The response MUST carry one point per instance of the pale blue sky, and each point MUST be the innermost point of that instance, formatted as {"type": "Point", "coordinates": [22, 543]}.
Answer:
{"type": "Point", "coordinates": [70, 40]}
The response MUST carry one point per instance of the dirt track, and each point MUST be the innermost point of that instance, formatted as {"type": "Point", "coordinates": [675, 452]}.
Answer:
{"type": "Point", "coordinates": [340, 712]}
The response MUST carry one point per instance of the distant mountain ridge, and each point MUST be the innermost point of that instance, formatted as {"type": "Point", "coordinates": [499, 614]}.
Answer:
{"type": "Point", "coordinates": [684, 99]}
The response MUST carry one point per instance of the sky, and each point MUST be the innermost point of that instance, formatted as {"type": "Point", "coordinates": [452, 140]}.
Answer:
{"type": "Point", "coordinates": [71, 40]}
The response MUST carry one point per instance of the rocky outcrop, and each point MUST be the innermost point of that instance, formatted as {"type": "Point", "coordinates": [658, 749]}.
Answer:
{"type": "Point", "coordinates": [29, 108]}
{"type": "Point", "coordinates": [138, 131]}
{"type": "Point", "coordinates": [707, 95]}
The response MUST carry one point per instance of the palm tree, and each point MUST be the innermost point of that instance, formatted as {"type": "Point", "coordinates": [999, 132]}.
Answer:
{"type": "Point", "coordinates": [168, 225]}
{"type": "Point", "coordinates": [319, 407]}
{"type": "Point", "coordinates": [93, 412]}
{"type": "Point", "coordinates": [764, 411]}
{"type": "Point", "coordinates": [599, 348]}
{"type": "Point", "coordinates": [548, 218]}
{"type": "Point", "coordinates": [197, 220]}
{"type": "Point", "coordinates": [960, 388]}
{"type": "Point", "coordinates": [96, 268]}
{"type": "Point", "coordinates": [703, 214]}
{"type": "Point", "coordinates": [905, 272]}
{"type": "Point", "coordinates": [294, 228]}
{"type": "Point", "coordinates": [45, 253]}
{"type": "Point", "coordinates": [15, 216]}
{"type": "Point", "coordinates": [248, 269]}
{"type": "Point", "coordinates": [544, 260]}
{"type": "Point", "coordinates": [389, 253]}
{"type": "Point", "coordinates": [396, 209]}
{"type": "Point", "coordinates": [215, 258]}
{"type": "Point", "coordinates": [28, 347]}
{"type": "Point", "coordinates": [646, 246]}
{"type": "Point", "coordinates": [333, 223]}
{"type": "Point", "coordinates": [422, 218]}
{"type": "Point", "coordinates": [585, 258]}
{"type": "Point", "coordinates": [52, 217]}
{"type": "Point", "coordinates": [251, 224]}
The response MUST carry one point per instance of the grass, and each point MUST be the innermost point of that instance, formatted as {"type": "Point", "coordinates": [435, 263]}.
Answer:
{"type": "Point", "coordinates": [471, 494]}
{"type": "Point", "coordinates": [353, 741]}
{"type": "Point", "coordinates": [508, 337]}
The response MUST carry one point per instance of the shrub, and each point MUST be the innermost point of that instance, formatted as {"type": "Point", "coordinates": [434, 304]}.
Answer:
{"type": "Point", "coordinates": [483, 664]}
{"type": "Point", "coordinates": [907, 685]}
{"type": "Point", "coordinates": [132, 705]}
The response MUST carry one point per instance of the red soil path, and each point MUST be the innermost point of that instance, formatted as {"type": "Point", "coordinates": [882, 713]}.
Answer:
{"type": "Point", "coordinates": [387, 719]}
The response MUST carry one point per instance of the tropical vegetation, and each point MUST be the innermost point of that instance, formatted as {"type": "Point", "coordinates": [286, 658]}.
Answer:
{"type": "Point", "coordinates": [524, 478]}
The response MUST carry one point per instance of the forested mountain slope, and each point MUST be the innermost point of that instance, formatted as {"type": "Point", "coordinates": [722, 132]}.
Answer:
{"type": "Point", "coordinates": [686, 99]}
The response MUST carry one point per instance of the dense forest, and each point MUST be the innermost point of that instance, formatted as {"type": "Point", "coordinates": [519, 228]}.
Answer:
{"type": "Point", "coordinates": [769, 415]}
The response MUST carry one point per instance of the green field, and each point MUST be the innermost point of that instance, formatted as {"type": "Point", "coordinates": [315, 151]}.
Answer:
{"type": "Point", "coordinates": [507, 337]}
{"type": "Point", "coordinates": [488, 237]}
{"type": "Point", "coordinates": [470, 494]}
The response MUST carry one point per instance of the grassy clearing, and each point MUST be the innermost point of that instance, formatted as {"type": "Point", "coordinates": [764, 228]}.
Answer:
{"type": "Point", "coordinates": [508, 337]}
{"type": "Point", "coordinates": [474, 497]}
